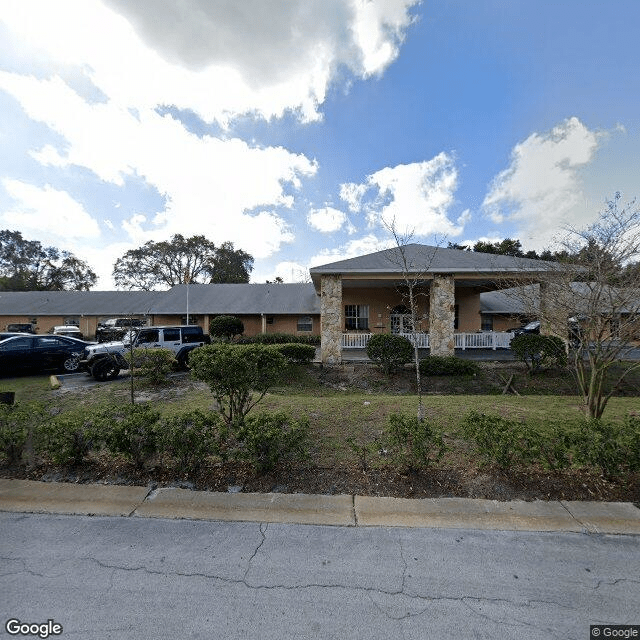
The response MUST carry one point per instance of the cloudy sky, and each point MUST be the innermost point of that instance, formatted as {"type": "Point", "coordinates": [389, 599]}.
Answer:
{"type": "Point", "coordinates": [300, 129]}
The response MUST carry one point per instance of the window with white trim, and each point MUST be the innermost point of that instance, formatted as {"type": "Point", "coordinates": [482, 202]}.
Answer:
{"type": "Point", "coordinates": [356, 316]}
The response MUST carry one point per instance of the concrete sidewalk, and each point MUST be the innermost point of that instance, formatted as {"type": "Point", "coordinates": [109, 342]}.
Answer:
{"type": "Point", "coordinates": [27, 496]}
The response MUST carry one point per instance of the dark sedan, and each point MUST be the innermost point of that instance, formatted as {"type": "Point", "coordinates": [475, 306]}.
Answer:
{"type": "Point", "coordinates": [40, 353]}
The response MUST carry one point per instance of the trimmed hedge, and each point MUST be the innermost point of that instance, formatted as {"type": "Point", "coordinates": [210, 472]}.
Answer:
{"type": "Point", "coordinates": [279, 338]}
{"type": "Point", "coordinates": [389, 351]}
{"type": "Point", "coordinates": [225, 327]}
{"type": "Point", "coordinates": [448, 366]}
{"type": "Point", "coordinates": [297, 353]}
{"type": "Point", "coordinates": [537, 351]}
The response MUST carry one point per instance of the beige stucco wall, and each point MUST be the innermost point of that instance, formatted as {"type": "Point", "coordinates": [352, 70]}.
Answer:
{"type": "Point", "coordinates": [382, 301]}
{"type": "Point", "coordinates": [468, 302]}
{"type": "Point", "coordinates": [44, 324]}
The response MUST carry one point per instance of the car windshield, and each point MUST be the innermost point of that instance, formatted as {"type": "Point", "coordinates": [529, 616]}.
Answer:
{"type": "Point", "coordinates": [129, 337]}
{"type": "Point", "coordinates": [532, 325]}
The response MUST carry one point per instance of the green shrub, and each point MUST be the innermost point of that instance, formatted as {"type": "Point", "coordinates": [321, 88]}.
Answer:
{"type": "Point", "coordinates": [68, 438]}
{"type": "Point", "coordinates": [131, 430]}
{"type": "Point", "coordinates": [448, 366]}
{"type": "Point", "coordinates": [538, 351]}
{"type": "Point", "coordinates": [613, 448]}
{"type": "Point", "coordinates": [498, 439]}
{"type": "Point", "coordinates": [413, 443]}
{"type": "Point", "coordinates": [389, 351]}
{"type": "Point", "coordinates": [17, 423]}
{"type": "Point", "coordinates": [279, 338]}
{"type": "Point", "coordinates": [269, 438]}
{"type": "Point", "coordinates": [235, 372]}
{"type": "Point", "coordinates": [154, 365]}
{"type": "Point", "coordinates": [297, 353]}
{"type": "Point", "coordinates": [226, 327]}
{"type": "Point", "coordinates": [192, 436]}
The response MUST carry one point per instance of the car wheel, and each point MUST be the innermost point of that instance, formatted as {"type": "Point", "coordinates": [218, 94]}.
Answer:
{"type": "Point", "coordinates": [104, 370]}
{"type": "Point", "coordinates": [183, 361]}
{"type": "Point", "coordinates": [71, 364]}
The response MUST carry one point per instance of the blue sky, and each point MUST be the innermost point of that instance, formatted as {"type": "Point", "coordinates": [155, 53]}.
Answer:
{"type": "Point", "coordinates": [300, 130]}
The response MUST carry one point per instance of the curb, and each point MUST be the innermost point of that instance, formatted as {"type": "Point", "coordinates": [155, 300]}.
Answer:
{"type": "Point", "coordinates": [28, 496]}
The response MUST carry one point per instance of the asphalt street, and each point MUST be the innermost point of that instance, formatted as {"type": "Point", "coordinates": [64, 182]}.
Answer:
{"type": "Point", "coordinates": [152, 578]}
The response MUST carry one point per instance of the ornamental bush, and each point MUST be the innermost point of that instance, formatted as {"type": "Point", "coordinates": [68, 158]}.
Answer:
{"type": "Point", "coordinates": [413, 443]}
{"type": "Point", "coordinates": [389, 351]}
{"type": "Point", "coordinates": [192, 436]}
{"type": "Point", "coordinates": [448, 366]}
{"type": "Point", "coordinates": [17, 423]}
{"type": "Point", "coordinates": [537, 351]}
{"type": "Point", "coordinates": [131, 430]}
{"type": "Point", "coordinates": [235, 373]}
{"type": "Point", "coordinates": [226, 327]}
{"type": "Point", "coordinates": [154, 365]}
{"type": "Point", "coordinates": [497, 439]}
{"type": "Point", "coordinates": [269, 438]}
{"type": "Point", "coordinates": [297, 353]}
{"type": "Point", "coordinates": [68, 439]}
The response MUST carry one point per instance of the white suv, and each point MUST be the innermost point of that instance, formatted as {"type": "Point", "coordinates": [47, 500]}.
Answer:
{"type": "Point", "coordinates": [104, 361]}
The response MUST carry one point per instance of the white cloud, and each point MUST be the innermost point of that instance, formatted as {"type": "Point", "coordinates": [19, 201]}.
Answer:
{"type": "Point", "coordinates": [46, 210]}
{"type": "Point", "coordinates": [326, 219]}
{"type": "Point", "coordinates": [179, 53]}
{"type": "Point", "coordinates": [291, 272]}
{"type": "Point", "coordinates": [415, 197]}
{"type": "Point", "coordinates": [358, 247]}
{"type": "Point", "coordinates": [541, 189]}
{"type": "Point", "coordinates": [211, 185]}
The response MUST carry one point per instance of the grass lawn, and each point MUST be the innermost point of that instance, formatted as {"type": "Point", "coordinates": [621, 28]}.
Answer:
{"type": "Point", "coordinates": [356, 403]}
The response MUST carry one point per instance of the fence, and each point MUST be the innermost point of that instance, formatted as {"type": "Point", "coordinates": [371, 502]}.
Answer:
{"type": "Point", "coordinates": [487, 340]}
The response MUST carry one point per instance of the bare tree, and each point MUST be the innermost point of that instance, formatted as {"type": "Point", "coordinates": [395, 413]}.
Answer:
{"type": "Point", "coordinates": [593, 301]}
{"type": "Point", "coordinates": [412, 288]}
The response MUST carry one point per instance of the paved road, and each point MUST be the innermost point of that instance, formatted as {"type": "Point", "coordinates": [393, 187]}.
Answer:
{"type": "Point", "coordinates": [129, 578]}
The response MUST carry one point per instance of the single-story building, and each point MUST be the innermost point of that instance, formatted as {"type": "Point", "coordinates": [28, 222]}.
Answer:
{"type": "Point", "coordinates": [345, 303]}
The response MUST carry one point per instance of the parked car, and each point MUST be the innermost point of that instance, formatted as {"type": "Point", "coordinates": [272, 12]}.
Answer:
{"type": "Point", "coordinates": [68, 330]}
{"type": "Point", "coordinates": [33, 353]}
{"type": "Point", "coordinates": [116, 328]}
{"type": "Point", "coordinates": [104, 361]}
{"type": "Point", "coordinates": [10, 334]}
{"type": "Point", "coordinates": [532, 327]}
{"type": "Point", "coordinates": [20, 327]}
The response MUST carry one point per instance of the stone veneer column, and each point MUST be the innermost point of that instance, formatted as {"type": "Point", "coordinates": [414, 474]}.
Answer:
{"type": "Point", "coordinates": [442, 316]}
{"type": "Point", "coordinates": [331, 319]}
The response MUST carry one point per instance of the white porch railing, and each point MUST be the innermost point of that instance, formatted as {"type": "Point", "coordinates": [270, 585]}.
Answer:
{"type": "Point", "coordinates": [487, 340]}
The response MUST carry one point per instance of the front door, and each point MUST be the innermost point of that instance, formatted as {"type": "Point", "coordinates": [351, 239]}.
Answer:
{"type": "Point", "coordinates": [401, 320]}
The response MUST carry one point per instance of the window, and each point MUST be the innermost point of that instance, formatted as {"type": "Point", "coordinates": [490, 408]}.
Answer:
{"type": "Point", "coordinates": [71, 321]}
{"type": "Point", "coordinates": [486, 322]}
{"type": "Point", "coordinates": [148, 335]}
{"type": "Point", "coordinates": [192, 334]}
{"type": "Point", "coordinates": [305, 323]}
{"type": "Point", "coordinates": [172, 334]}
{"type": "Point", "coordinates": [17, 344]}
{"type": "Point", "coordinates": [356, 316]}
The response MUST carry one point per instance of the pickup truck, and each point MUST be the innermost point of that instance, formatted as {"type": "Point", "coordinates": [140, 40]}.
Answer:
{"type": "Point", "coordinates": [105, 360]}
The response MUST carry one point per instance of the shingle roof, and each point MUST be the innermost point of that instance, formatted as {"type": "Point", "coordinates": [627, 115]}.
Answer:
{"type": "Point", "coordinates": [428, 259]}
{"type": "Point", "coordinates": [90, 303]}
{"type": "Point", "coordinates": [273, 299]}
